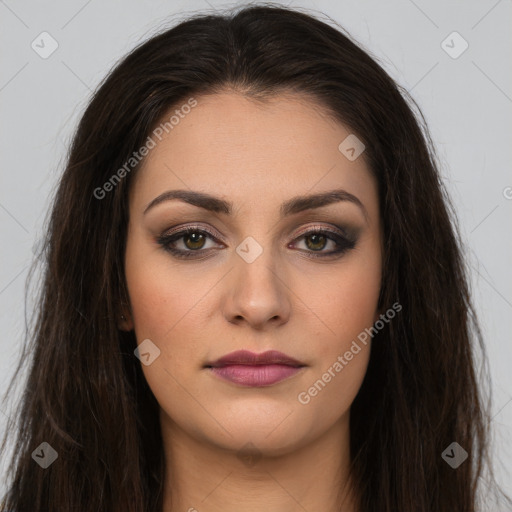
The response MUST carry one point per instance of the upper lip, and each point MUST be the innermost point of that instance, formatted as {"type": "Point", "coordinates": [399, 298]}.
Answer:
{"type": "Point", "coordinates": [250, 358]}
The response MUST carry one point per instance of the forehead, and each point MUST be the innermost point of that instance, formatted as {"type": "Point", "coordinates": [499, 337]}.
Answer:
{"type": "Point", "coordinates": [251, 151]}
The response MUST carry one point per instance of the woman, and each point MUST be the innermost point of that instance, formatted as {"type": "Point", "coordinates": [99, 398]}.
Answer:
{"type": "Point", "coordinates": [254, 296]}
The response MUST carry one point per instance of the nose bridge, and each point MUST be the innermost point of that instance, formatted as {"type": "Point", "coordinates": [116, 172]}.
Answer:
{"type": "Point", "coordinates": [258, 292]}
{"type": "Point", "coordinates": [256, 263]}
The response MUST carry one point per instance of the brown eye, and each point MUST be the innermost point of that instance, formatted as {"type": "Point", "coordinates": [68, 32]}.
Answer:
{"type": "Point", "coordinates": [318, 241]}
{"type": "Point", "coordinates": [194, 240]}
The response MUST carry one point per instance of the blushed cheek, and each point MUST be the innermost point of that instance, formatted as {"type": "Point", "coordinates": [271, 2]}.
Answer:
{"type": "Point", "coordinates": [345, 309]}
{"type": "Point", "coordinates": [160, 314]}
{"type": "Point", "coordinates": [166, 308]}
{"type": "Point", "coordinates": [157, 297]}
{"type": "Point", "coordinates": [157, 306]}
{"type": "Point", "coordinates": [352, 309]}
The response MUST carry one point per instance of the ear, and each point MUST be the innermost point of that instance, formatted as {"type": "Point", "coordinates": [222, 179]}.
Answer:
{"type": "Point", "coordinates": [125, 322]}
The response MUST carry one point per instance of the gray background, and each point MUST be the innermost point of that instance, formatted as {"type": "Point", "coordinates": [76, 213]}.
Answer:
{"type": "Point", "coordinates": [467, 102]}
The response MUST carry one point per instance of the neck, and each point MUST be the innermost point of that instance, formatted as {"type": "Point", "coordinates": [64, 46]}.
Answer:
{"type": "Point", "coordinates": [202, 477]}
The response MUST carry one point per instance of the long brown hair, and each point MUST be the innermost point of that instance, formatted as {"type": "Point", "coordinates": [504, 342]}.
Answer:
{"type": "Point", "coordinates": [86, 395]}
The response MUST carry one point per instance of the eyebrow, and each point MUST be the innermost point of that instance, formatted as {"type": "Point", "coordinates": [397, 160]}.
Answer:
{"type": "Point", "coordinates": [292, 206]}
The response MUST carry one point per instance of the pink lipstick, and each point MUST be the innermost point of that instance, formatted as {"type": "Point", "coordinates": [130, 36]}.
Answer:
{"type": "Point", "coordinates": [255, 370]}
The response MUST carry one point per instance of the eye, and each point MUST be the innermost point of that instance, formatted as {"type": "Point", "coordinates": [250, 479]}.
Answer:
{"type": "Point", "coordinates": [192, 238]}
{"type": "Point", "coordinates": [318, 238]}
{"type": "Point", "coordinates": [193, 241]}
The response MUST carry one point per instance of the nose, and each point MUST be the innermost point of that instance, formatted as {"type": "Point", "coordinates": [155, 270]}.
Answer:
{"type": "Point", "coordinates": [257, 293]}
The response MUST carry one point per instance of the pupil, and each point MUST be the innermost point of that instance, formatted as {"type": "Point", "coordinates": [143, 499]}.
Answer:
{"type": "Point", "coordinates": [320, 239]}
{"type": "Point", "coordinates": [195, 238]}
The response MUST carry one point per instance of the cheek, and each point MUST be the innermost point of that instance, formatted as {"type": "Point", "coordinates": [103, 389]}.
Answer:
{"type": "Point", "coordinates": [346, 303]}
{"type": "Point", "coordinates": [166, 307]}
{"type": "Point", "coordinates": [343, 350]}
{"type": "Point", "coordinates": [159, 304]}
{"type": "Point", "coordinates": [161, 294]}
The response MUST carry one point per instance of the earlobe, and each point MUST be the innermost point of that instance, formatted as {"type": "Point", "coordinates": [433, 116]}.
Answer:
{"type": "Point", "coordinates": [125, 322]}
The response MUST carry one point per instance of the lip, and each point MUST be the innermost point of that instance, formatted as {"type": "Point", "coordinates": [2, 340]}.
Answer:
{"type": "Point", "coordinates": [255, 370]}
{"type": "Point", "coordinates": [247, 357]}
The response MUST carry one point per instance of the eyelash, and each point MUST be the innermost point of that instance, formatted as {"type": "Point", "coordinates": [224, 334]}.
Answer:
{"type": "Point", "coordinates": [343, 243]}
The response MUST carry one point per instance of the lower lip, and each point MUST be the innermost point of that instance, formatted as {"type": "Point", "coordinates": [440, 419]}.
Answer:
{"type": "Point", "coordinates": [255, 375]}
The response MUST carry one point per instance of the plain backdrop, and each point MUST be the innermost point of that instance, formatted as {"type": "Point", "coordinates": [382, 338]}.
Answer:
{"type": "Point", "coordinates": [466, 97]}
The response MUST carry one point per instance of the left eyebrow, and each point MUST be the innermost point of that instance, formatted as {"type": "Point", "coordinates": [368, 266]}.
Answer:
{"type": "Point", "coordinates": [292, 206]}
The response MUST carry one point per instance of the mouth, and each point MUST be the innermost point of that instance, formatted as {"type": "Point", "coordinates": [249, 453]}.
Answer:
{"type": "Point", "coordinates": [255, 370]}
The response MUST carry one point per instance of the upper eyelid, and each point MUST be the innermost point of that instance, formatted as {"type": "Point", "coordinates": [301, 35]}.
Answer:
{"type": "Point", "coordinates": [338, 236]}
{"type": "Point", "coordinates": [184, 229]}
{"type": "Point", "coordinates": [317, 227]}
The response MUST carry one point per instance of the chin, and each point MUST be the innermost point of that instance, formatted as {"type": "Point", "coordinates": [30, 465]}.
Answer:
{"type": "Point", "coordinates": [269, 436]}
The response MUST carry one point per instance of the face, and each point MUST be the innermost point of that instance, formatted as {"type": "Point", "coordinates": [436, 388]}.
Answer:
{"type": "Point", "coordinates": [260, 269]}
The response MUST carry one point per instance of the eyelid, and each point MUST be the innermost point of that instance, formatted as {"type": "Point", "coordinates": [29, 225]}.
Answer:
{"type": "Point", "coordinates": [182, 229]}
{"type": "Point", "coordinates": [338, 236]}
{"type": "Point", "coordinates": [324, 227]}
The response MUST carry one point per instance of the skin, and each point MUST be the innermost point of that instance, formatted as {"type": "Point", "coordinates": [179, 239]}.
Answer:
{"type": "Point", "coordinates": [256, 155]}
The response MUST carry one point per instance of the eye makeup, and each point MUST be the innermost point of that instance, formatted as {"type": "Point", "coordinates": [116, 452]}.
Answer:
{"type": "Point", "coordinates": [193, 238]}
